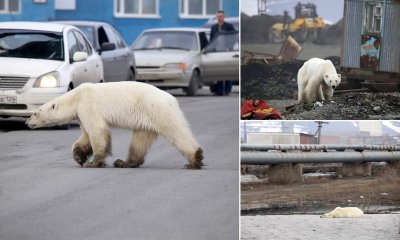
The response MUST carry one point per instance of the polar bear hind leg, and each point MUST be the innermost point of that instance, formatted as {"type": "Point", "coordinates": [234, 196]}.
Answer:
{"type": "Point", "coordinates": [81, 149]}
{"type": "Point", "coordinates": [140, 144]}
{"type": "Point", "coordinates": [179, 135]}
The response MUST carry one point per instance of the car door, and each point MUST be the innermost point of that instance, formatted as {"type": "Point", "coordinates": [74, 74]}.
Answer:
{"type": "Point", "coordinates": [84, 71]}
{"type": "Point", "coordinates": [116, 63]}
{"type": "Point", "coordinates": [93, 64]}
{"type": "Point", "coordinates": [220, 58]}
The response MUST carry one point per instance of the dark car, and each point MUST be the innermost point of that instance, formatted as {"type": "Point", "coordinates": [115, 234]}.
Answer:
{"type": "Point", "coordinates": [118, 59]}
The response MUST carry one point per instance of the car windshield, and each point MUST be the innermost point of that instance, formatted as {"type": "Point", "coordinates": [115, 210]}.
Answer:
{"type": "Point", "coordinates": [224, 42]}
{"type": "Point", "coordinates": [31, 44]}
{"type": "Point", "coordinates": [89, 33]}
{"type": "Point", "coordinates": [167, 40]}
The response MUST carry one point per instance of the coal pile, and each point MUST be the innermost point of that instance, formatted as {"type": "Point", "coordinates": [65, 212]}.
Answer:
{"type": "Point", "coordinates": [360, 106]}
{"type": "Point", "coordinates": [265, 81]}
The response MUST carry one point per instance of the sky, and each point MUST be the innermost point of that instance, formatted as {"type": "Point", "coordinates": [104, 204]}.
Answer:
{"type": "Point", "coordinates": [330, 10]}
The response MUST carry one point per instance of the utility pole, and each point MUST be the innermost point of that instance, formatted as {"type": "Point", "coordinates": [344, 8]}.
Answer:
{"type": "Point", "coordinates": [262, 7]}
{"type": "Point", "coordinates": [318, 133]}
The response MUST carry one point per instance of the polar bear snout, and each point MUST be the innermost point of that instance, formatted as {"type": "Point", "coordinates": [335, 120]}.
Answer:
{"type": "Point", "coordinates": [29, 123]}
{"type": "Point", "coordinates": [333, 86]}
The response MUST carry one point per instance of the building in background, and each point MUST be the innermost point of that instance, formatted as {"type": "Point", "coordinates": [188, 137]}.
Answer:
{"type": "Point", "coordinates": [129, 17]}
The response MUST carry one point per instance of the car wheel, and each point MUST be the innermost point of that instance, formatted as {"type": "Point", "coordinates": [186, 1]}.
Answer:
{"type": "Point", "coordinates": [194, 84]}
{"type": "Point", "coordinates": [131, 76]}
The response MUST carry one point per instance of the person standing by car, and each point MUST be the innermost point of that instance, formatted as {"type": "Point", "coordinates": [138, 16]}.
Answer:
{"type": "Point", "coordinates": [221, 26]}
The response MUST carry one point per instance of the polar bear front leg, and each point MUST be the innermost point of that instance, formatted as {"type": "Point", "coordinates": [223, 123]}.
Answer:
{"type": "Point", "coordinates": [81, 149]}
{"type": "Point", "coordinates": [320, 96]}
{"type": "Point", "coordinates": [312, 89]}
{"type": "Point", "coordinates": [327, 92]}
{"type": "Point", "coordinates": [100, 140]}
{"type": "Point", "coordinates": [140, 144]}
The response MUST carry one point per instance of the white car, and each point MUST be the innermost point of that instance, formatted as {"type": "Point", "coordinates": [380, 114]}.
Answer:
{"type": "Point", "coordinates": [177, 58]}
{"type": "Point", "coordinates": [41, 61]}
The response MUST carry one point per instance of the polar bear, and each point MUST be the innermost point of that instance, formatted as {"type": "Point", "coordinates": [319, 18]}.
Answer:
{"type": "Point", "coordinates": [346, 212]}
{"type": "Point", "coordinates": [142, 108]}
{"type": "Point", "coordinates": [316, 80]}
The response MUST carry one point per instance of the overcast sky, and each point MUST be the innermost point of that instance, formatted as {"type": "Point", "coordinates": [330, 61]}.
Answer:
{"type": "Point", "coordinates": [330, 10]}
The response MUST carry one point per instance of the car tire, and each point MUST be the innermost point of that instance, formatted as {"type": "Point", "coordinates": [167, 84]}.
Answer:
{"type": "Point", "coordinates": [131, 76]}
{"type": "Point", "coordinates": [194, 84]}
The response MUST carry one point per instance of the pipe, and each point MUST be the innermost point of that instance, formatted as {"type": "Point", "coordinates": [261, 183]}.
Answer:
{"type": "Point", "coordinates": [308, 147]}
{"type": "Point", "coordinates": [264, 158]}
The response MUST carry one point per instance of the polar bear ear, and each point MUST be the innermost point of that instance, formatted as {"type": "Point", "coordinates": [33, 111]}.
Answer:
{"type": "Point", "coordinates": [326, 76]}
{"type": "Point", "coordinates": [339, 76]}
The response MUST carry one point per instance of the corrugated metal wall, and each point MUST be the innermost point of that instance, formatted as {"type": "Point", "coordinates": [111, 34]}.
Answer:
{"type": "Point", "coordinates": [352, 33]}
{"type": "Point", "coordinates": [390, 52]}
{"type": "Point", "coordinates": [390, 48]}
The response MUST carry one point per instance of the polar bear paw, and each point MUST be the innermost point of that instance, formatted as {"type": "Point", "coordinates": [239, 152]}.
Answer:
{"type": "Point", "coordinates": [93, 165]}
{"type": "Point", "coordinates": [123, 164]}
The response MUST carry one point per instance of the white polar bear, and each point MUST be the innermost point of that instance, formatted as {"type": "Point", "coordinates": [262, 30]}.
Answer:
{"type": "Point", "coordinates": [316, 80]}
{"type": "Point", "coordinates": [346, 212]}
{"type": "Point", "coordinates": [145, 109]}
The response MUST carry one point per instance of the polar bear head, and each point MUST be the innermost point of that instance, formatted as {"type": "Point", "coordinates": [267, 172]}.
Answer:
{"type": "Point", "coordinates": [56, 112]}
{"type": "Point", "coordinates": [332, 80]}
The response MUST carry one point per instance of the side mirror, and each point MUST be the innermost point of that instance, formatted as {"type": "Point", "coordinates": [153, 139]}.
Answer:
{"type": "Point", "coordinates": [80, 56]}
{"type": "Point", "coordinates": [107, 46]}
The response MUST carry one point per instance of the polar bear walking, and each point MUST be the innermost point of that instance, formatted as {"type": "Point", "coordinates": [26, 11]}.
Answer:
{"type": "Point", "coordinates": [142, 108]}
{"type": "Point", "coordinates": [316, 80]}
{"type": "Point", "coordinates": [346, 212]}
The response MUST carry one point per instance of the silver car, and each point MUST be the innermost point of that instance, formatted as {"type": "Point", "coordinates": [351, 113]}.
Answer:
{"type": "Point", "coordinates": [118, 59]}
{"type": "Point", "coordinates": [178, 58]}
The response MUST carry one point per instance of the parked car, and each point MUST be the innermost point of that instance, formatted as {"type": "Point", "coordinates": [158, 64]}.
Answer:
{"type": "Point", "coordinates": [41, 61]}
{"type": "Point", "coordinates": [174, 58]}
{"type": "Point", "coordinates": [118, 59]}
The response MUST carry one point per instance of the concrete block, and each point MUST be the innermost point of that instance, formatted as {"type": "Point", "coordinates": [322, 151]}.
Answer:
{"type": "Point", "coordinates": [285, 173]}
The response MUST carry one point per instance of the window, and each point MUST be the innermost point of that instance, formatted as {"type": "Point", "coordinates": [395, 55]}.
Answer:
{"type": "Point", "coordinates": [7, 6]}
{"type": "Point", "coordinates": [31, 44]}
{"type": "Point", "coordinates": [136, 8]}
{"type": "Point", "coordinates": [373, 17]}
{"type": "Point", "coordinates": [199, 8]}
{"type": "Point", "coordinates": [77, 43]}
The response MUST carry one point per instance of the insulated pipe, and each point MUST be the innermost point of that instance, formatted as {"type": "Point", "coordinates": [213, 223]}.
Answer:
{"type": "Point", "coordinates": [264, 158]}
{"type": "Point", "coordinates": [308, 147]}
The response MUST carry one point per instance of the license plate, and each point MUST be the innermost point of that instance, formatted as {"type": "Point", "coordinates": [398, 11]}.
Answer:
{"type": "Point", "coordinates": [8, 99]}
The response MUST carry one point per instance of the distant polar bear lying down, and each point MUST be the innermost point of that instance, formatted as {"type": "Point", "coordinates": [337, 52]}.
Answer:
{"type": "Point", "coordinates": [142, 108]}
{"type": "Point", "coordinates": [346, 212]}
{"type": "Point", "coordinates": [316, 80]}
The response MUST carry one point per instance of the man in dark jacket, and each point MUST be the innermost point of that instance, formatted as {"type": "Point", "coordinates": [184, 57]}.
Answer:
{"type": "Point", "coordinates": [221, 26]}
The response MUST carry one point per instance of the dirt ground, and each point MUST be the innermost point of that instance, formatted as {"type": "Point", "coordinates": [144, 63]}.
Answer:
{"type": "Point", "coordinates": [372, 194]}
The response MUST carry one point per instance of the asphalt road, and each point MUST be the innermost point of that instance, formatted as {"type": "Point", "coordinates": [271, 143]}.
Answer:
{"type": "Point", "coordinates": [44, 194]}
{"type": "Point", "coordinates": [305, 227]}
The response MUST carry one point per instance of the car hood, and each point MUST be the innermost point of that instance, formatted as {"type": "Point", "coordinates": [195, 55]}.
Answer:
{"type": "Point", "coordinates": [157, 58]}
{"type": "Point", "coordinates": [27, 67]}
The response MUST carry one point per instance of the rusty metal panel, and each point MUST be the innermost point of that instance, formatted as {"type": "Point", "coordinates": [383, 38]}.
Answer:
{"type": "Point", "coordinates": [390, 52]}
{"type": "Point", "coordinates": [352, 32]}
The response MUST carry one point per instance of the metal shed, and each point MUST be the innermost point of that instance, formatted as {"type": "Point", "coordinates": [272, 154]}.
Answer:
{"type": "Point", "coordinates": [371, 43]}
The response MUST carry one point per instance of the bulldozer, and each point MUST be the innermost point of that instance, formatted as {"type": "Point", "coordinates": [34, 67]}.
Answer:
{"type": "Point", "coordinates": [306, 27]}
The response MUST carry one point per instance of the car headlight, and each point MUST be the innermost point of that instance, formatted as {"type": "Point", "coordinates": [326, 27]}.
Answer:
{"type": "Point", "coordinates": [180, 66]}
{"type": "Point", "coordinates": [48, 80]}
